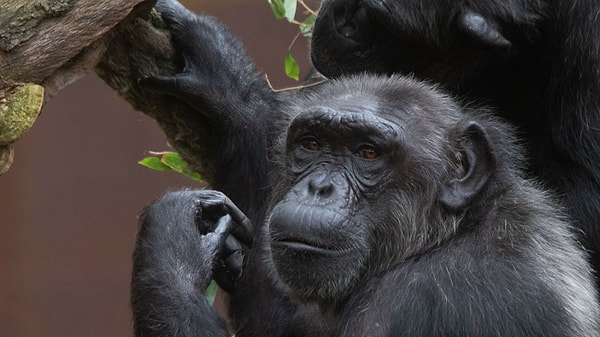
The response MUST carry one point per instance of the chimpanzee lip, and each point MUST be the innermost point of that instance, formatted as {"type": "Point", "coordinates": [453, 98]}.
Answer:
{"type": "Point", "coordinates": [305, 246]}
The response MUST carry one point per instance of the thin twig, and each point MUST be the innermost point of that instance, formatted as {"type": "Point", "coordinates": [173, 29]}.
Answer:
{"type": "Point", "coordinates": [298, 23]}
{"type": "Point", "coordinates": [308, 9]}
{"type": "Point", "coordinates": [294, 41]}
{"type": "Point", "coordinates": [304, 86]}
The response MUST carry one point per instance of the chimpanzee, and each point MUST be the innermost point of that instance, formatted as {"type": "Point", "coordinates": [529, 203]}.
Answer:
{"type": "Point", "coordinates": [536, 61]}
{"type": "Point", "coordinates": [395, 212]}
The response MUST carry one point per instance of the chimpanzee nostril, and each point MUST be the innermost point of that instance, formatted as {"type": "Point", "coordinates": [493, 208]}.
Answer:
{"type": "Point", "coordinates": [322, 189]}
{"type": "Point", "coordinates": [352, 22]}
{"type": "Point", "coordinates": [343, 23]}
{"type": "Point", "coordinates": [346, 31]}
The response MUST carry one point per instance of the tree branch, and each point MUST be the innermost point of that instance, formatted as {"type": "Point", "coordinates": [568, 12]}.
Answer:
{"type": "Point", "coordinates": [50, 43]}
{"type": "Point", "coordinates": [141, 49]}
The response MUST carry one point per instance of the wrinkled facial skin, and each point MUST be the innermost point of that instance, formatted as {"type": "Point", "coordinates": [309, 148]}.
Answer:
{"type": "Point", "coordinates": [320, 231]}
{"type": "Point", "coordinates": [346, 162]}
{"type": "Point", "coordinates": [368, 178]}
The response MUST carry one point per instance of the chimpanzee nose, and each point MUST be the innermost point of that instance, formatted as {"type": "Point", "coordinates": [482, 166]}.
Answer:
{"type": "Point", "coordinates": [353, 22]}
{"type": "Point", "coordinates": [321, 188]}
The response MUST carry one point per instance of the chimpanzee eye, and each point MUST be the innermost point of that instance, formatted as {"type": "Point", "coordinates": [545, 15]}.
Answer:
{"type": "Point", "coordinates": [367, 151]}
{"type": "Point", "coordinates": [310, 143]}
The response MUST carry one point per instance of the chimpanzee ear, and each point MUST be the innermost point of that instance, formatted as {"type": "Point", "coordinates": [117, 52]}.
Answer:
{"type": "Point", "coordinates": [474, 164]}
{"type": "Point", "coordinates": [481, 29]}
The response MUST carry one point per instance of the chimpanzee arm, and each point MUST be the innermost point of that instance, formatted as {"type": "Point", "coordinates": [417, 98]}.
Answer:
{"type": "Point", "coordinates": [235, 107]}
{"type": "Point", "coordinates": [186, 239]}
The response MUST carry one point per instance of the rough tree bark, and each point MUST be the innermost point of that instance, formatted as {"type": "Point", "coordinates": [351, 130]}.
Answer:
{"type": "Point", "coordinates": [140, 49]}
{"type": "Point", "coordinates": [47, 44]}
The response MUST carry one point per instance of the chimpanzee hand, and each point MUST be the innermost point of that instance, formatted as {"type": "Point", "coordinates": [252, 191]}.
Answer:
{"type": "Point", "coordinates": [227, 231]}
{"type": "Point", "coordinates": [188, 238]}
{"type": "Point", "coordinates": [216, 68]}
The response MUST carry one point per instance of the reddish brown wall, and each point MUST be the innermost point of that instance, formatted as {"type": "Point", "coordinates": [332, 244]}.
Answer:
{"type": "Point", "coordinates": [68, 206]}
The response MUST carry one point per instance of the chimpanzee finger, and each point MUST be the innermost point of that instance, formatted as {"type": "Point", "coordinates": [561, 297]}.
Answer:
{"type": "Point", "coordinates": [179, 20]}
{"type": "Point", "coordinates": [233, 255]}
{"type": "Point", "coordinates": [170, 9]}
{"type": "Point", "coordinates": [245, 230]}
{"type": "Point", "coordinates": [212, 204]}
{"type": "Point", "coordinates": [176, 86]}
{"type": "Point", "coordinates": [228, 266]}
{"type": "Point", "coordinates": [230, 246]}
{"type": "Point", "coordinates": [216, 204]}
{"type": "Point", "coordinates": [228, 269]}
{"type": "Point", "coordinates": [223, 279]}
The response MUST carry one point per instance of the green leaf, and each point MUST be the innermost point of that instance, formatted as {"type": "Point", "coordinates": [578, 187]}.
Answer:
{"type": "Point", "coordinates": [292, 70]}
{"type": "Point", "coordinates": [278, 8]}
{"type": "Point", "coordinates": [174, 161]}
{"type": "Point", "coordinates": [169, 161]}
{"type": "Point", "coordinates": [306, 28]}
{"type": "Point", "coordinates": [290, 9]}
{"type": "Point", "coordinates": [154, 163]}
{"type": "Point", "coordinates": [193, 175]}
{"type": "Point", "coordinates": [211, 292]}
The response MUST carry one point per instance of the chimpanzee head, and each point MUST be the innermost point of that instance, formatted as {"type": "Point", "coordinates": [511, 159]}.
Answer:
{"type": "Point", "coordinates": [377, 170]}
{"type": "Point", "coordinates": [446, 41]}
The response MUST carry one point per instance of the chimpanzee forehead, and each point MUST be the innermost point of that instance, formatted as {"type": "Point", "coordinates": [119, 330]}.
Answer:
{"type": "Point", "coordinates": [364, 117]}
{"type": "Point", "coordinates": [359, 108]}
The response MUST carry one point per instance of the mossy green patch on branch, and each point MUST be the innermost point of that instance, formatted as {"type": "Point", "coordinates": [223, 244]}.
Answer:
{"type": "Point", "coordinates": [19, 107]}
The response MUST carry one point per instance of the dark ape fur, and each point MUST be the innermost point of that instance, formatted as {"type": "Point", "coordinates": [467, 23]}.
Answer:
{"type": "Point", "coordinates": [394, 212]}
{"type": "Point", "coordinates": [536, 61]}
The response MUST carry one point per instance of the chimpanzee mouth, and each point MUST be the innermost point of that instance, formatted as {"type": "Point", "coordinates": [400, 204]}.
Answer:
{"type": "Point", "coordinates": [300, 245]}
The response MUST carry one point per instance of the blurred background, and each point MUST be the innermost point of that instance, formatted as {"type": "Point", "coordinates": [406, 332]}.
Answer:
{"type": "Point", "coordinates": [69, 204]}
